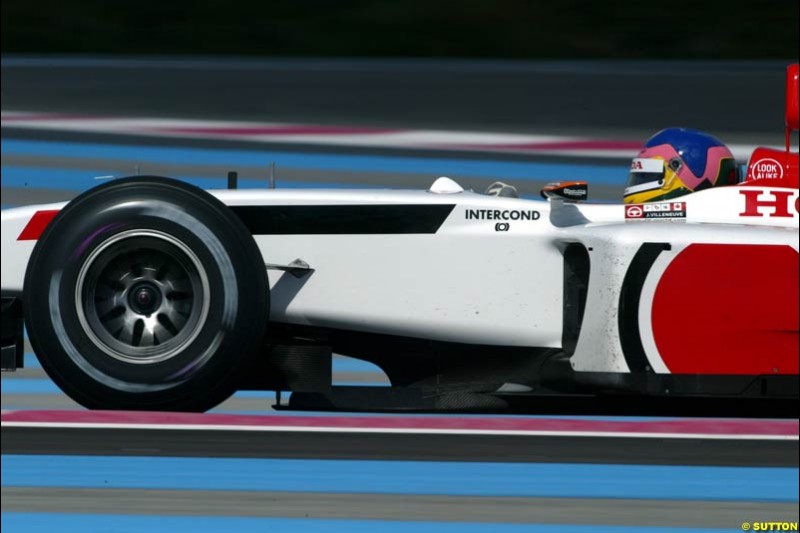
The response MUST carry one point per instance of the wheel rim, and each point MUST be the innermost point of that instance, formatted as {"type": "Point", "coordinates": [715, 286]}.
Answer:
{"type": "Point", "coordinates": [142, 296]}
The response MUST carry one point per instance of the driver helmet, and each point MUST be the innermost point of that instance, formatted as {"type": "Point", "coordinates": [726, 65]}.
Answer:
{"type": "Point", "coordinates": [678, 161]}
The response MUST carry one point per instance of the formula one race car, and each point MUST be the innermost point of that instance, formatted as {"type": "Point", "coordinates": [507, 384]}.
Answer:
{"type": "Point", "coordinates": [148, 293]}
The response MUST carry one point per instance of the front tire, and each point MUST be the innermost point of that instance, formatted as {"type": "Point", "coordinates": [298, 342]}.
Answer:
{"type": "Point", "coordinates": [146, 294]}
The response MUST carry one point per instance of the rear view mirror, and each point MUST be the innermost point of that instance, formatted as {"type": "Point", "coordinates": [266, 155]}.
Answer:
{"type": "Point", "coordinates": [571, 191]}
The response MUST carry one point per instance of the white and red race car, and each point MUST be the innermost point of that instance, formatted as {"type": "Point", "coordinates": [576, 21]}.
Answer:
{"type": "Point", "coordinates": [147, 293]}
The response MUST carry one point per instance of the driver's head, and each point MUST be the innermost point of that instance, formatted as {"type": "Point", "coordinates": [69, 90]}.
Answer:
{"type": "Point", "coordinates": [677, 161]}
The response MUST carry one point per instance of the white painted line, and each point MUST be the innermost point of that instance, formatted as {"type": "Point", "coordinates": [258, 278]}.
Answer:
{"type": "Point", "coordinates": [410, 431]}
{"type": "Point", "coordinates": [531, 144]}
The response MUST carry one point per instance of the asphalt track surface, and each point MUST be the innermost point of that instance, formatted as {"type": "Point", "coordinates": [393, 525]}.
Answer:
{"type": "Point", "coordinates": [398, 478]}
{"type": "Point", "coordinates": [734, 100]}
{"type": "Point", "coordinates": [741, 102]}
{"type": "Point", "coordinates": [375, 506]}
{"type": "Point", "coordinates": [737, 99]}
{"type": "Point", "coordinates": [398, 447]}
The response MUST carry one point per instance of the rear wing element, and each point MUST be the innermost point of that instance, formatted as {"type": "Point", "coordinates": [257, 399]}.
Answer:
{"type": "Point", "coordinates": [779, 168]}
{"type": "Point", "coordinates": [792, 105]}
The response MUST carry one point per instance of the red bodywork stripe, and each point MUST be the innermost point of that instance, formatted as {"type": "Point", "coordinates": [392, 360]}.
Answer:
{"type": "Point", "coordinates": [36, 225]}
{"type": "Point", "coordinates": [729, 309]}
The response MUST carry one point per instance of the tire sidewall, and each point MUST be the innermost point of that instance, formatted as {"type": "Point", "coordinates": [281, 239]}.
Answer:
{"type": "Point", "coordinates": [205, 370]}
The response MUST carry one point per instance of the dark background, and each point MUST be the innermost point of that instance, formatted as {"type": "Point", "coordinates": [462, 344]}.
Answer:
{"type": "Point", "coordinates": [514, 29]}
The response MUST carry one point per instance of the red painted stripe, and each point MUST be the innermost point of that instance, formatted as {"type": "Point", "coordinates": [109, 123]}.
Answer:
{"type": "Point", "coordinates": [277, 130]}
{"type": "Point", "coordinates": [36, 225]}
{"type": "Point", "coordinates": [729, 309]}
{"type": "Point", "coordinates": [681, 426]}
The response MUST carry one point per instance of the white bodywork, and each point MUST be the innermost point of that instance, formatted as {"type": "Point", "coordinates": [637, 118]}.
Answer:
{"type": "Point", "coordinates": [481, 281]}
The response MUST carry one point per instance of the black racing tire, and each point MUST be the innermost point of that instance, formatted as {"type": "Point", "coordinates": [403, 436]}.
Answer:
{"type": "Point", "coordinates": [146, 293]}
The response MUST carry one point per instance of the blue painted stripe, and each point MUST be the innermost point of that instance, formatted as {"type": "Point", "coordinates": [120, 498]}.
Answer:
{"type": "Point", "coordinates": [344, 383]}
{"type": "Point", "coordinates": [309, 160]}
{"type": "Point", "coordinates": [405, 477]}
{"type": "Point", "coordinates": [349, 364]}
{"type": "Point", "coordinates": [45, 386]}
{"type": "Point", "coordinates": [31, 361]}
{"type": "Point", "coordinates": [267, 395]}
{"type": "Point", "coordinates": [340, 364]}
{"type": "Point", "coordinates": [81, 180]}
{"type": "Point", "coordinates": [81, 523]}
{"type": "Point", "coordinates": [29, 386]}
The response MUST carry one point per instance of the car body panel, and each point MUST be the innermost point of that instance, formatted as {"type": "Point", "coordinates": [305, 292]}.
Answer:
{"type": "Point", "coordinates": [491, 270]}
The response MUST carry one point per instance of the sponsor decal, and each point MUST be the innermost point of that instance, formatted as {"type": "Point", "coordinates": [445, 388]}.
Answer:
{"type": "Point", "coordinates": [757, 301]}
{"type": "Point", "coordinates": [634, 211]}
{"type": "Point", "coordinates": [767, 169]}
{"type": "Point", "coordinates": [569, 190]}
{"type": "Point", "coordinates": [656, 211]}
{"type": "Point", "coordinates": [772, 203]}
{"type": "Point", "coordinates": [502, 214]}
{"type": "Point", "coordinates": [575, 193]}
{"type": "Point", "coordinates": [647, 164]}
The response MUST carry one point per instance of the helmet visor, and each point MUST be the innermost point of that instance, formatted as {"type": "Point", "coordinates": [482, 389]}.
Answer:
{"type": "Point", "coordinates": [646, 171]}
